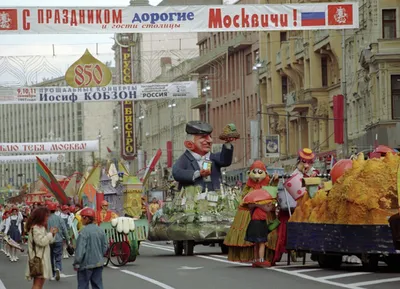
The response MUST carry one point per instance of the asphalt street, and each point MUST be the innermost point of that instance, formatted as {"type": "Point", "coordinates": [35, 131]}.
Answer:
{"type": "Point", "coordinates": [157, 267]}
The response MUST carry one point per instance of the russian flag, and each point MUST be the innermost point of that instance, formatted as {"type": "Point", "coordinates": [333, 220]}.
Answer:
{"type": "Point", "coordinates": [313, 19]}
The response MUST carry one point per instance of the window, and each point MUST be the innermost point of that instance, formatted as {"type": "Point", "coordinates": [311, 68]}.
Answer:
{"type": "Point", "coordinates": [395, 89]}
{"type": "Point", "coordinates": [283, 36]}
{"type": "Point", "coordinates": [249, 63]}
{"type": "Point", "coordinates": [255, 55]}
{"type": "Point", "coordinates": [324, 71]}
{"type": "Point", "coordinates": [215, 40]}
{"type": "Point", "coordinates": [284, 88]}
{"type": "Point", "coordinates": [389, 23]}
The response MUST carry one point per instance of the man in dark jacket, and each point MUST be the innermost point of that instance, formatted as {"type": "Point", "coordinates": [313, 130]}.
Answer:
{"type": "Point", "coordinates": [56, 249]}
{"type": "Point", "coordinates": [198, 166]}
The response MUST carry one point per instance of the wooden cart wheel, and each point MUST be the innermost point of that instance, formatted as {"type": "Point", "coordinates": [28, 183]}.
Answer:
{"type": "Point", "coordinates": [106, 259]}
{"type": "Point", "coordinates": [119, 253]}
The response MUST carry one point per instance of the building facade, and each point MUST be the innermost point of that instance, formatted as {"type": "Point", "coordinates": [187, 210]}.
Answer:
{"type": "Point", "coordinates": [226, 60]}
{"type": "Point", "coordinates": [53, 123]}
{"type": "Point", "coordinates": [299, 75]}
{"type": "Point", "coordinates": [302, 71]}
{"type": "Point", "coordinates": [164, 121]}
{"type": "Point", "coordinates": [373, 76]}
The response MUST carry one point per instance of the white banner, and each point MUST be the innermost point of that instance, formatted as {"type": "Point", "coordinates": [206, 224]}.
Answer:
{"type": "Point", "coordinates": [133, 92]}
{"type": "Point", "coordinates": [90, 20]}
{"type": "Point", "coordinates": [53, 158]}
{"type": "Point", "coordinates": [46, 147]}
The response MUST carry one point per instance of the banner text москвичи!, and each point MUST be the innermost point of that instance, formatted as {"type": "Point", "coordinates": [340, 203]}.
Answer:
{"type": "Point", "coordinates": [212, 18]}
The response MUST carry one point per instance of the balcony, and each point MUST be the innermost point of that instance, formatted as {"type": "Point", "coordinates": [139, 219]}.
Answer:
{"type": "Point", "coordinates": [296, 102]}
{"type": "Point", "coordinates": [321, 38]}
{"type": "Point", "coordinates": [239, 42]}
{"type": "Point", "coordinates": [287, 51]}
{"type": "Point", "coordinates": [298, 46]}
{"type": "Point", "coordinates": [291, 98]}
{"type": "Point", "coordinates": [388, 46]}
{"type": "Point", "coordinates": [198, 102]}
{"type": "Point", "coordinates": [278, 58]}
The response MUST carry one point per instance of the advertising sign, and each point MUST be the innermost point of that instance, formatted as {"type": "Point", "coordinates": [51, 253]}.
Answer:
{"type": "Point", "coordinates": [25, 159]}
{"type": "Point", "coordinates": [46, 147]}
{"type": "Point", "coordinates": [128, 137]}
{"type": "Point", "coordinates": [88, 72]}
{"type": "Point", "coordinates": [157, 19]}
{"type": "Point", "coordinates": [123, 92]}
{"type": "Point", "coordinates": [272, 146]}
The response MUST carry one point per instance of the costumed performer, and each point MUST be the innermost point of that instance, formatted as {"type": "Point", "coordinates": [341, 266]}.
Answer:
{"type": "Point", "coordinates": [3, 246]}
{"type": "Point", "coordinates": [154, 206]}
{"type": "Point", "coordinates": [198, 166]}
{"type": "Point", "coordinates": [14, 231]}
{"type": "Point", "coordinates": [260, 202]}
{"type": "Point", "coordinates": [105, 215]}
{"type": "Point", "coordinates": [65, 217]}
{"type": "Point", "coordinates": [304, 168]}
{"type": "Point", "coordinates": [239, 249]}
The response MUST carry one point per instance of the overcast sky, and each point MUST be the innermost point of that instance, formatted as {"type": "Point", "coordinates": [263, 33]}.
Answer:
{"type": "Point", "coordinates": [67, 48]}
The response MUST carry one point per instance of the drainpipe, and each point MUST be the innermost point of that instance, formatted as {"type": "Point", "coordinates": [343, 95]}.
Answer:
{"type": "Point", "coordinates": [243, 101]}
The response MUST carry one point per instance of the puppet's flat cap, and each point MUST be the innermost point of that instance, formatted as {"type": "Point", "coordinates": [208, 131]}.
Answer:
{"type": "Point", "coordinates": [198, 127]}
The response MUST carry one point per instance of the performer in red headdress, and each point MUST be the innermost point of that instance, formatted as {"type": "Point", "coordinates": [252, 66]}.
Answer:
{"type": "Point", "coordinates": [277, 239]}
{"type": "Point", "coordinates": [239, 249]}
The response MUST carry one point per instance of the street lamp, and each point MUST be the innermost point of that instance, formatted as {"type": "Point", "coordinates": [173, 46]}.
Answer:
{"type": "Point", "coordinates": [256, 67]}
{"type": "Point", "coordinates": [171, 106]}
{"type": "Point", "coordinates": [206, 91]}
{"type": "Point", "coordinates": [99, 137]}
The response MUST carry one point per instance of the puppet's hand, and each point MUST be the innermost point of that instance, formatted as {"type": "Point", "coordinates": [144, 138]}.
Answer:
{"type": "Point", "coordinates": [205, 173]}
{"type": "Point", "coordinates": [230, 139]}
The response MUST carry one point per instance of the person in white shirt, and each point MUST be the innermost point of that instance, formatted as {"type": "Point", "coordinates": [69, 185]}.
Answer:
{"type": "Point", "coordinates": [14, 230]}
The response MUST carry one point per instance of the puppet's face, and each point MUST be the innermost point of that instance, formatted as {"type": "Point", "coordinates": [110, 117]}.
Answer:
{"type": "Point", "coordinates": [304, 166]}
{"type": "Point", "coordinates": [257, 175]}
{"type": "Point", "coordinates": [200, 144]}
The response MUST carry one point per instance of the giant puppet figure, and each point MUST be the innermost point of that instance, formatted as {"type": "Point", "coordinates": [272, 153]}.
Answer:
{"type": "Point", "coordinates": [304, 168]}
{"type": "Point", "coordinates": [198, 166]}
{"type": "Point", "coordinates": [239, 250]}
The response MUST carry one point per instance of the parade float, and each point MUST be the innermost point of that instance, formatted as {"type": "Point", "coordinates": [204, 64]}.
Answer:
{"type": "Point", "coordinates": [203, 209]}
{"type": "Point", "coordinates": [194, 217]}
{"type": "Point", "coordinates": [350, 215]}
